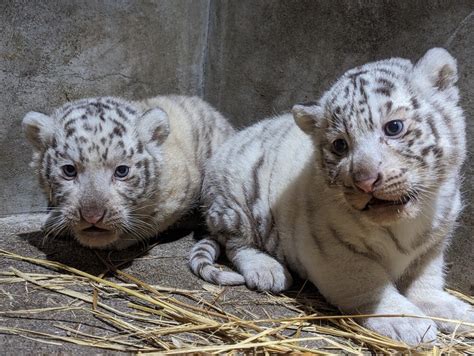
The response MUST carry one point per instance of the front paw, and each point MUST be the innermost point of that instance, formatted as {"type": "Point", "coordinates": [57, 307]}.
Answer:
{"type": "Point", "coordinates": [267, 274]}
{"type": "Point", "coordinates": [443, 305]}
{"type": "Point", "coordinates": [411, 331]}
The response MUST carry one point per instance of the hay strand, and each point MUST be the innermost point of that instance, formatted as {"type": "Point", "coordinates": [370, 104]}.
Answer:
{"type": "Point", "coordinates": [155, 319]}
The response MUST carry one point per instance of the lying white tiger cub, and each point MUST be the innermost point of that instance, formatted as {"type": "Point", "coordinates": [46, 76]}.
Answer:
{"type": "Point", "coordinates": [360, 196]}
{"type": "Point", "coordinates": [118, 172]}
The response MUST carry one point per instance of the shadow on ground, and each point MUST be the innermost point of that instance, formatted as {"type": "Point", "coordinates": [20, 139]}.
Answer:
{"type": "Point", "coordinates": [66, 250]}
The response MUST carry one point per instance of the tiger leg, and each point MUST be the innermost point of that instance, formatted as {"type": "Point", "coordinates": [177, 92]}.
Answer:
{"type": "Point", "coordinates": [242, 231]}
{"type": "Point", "coordinates": [260, 270]}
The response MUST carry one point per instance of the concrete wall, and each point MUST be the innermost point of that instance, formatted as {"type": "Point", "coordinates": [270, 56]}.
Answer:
{"type": "Point", "coordinates": [249, 58]}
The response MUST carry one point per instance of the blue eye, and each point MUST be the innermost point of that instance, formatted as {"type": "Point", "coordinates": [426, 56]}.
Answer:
{"type": "Point", "coordinates": [393, 128]}
{"type": "Point", "coordinates": [121, 171]}
{"type": "Point", "coordinates": [69, 171]}
{"type": "Point", "coordinates": [340, 146]}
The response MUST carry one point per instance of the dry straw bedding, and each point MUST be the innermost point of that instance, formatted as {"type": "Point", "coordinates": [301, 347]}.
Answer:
{"type": "Point", "coordinates": [155, 319]}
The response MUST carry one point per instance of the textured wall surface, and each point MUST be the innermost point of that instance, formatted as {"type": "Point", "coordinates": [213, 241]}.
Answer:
{"type": "Point", "coordinates": [265, 56]}
{"type": "Point", "coordinates": [250, 59]}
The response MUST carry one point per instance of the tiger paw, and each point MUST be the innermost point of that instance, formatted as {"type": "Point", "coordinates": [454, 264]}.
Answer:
{"type": "Point", "coordinates": [441, 304]}
{"type": "Point", "coordinates": [267, 274]}
{"type": "Point", "coordinates": [408, 330]}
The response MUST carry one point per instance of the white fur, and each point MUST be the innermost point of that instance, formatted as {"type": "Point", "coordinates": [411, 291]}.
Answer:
{"type": "Point", "coordinates": [276, 195]}
{"type": "Point", "coordinates": [164, 141]}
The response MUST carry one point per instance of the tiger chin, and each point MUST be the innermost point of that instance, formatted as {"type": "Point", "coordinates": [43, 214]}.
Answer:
{"type": "Point", "coordinates": [358, 192]}
{"type": "Point", "coordinates": [118, 172]}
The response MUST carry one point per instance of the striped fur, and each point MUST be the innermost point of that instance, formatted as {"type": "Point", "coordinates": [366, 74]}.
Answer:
{"type": "Point", "coordinates": [164, 142]}
{"type": "Point", "coordinates": [366, 223]}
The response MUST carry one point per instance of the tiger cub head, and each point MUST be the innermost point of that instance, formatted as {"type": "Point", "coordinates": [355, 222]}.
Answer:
{"type": "Point", "coordinates": [388, 134]}
{"type": "Point", "coordinates": [98, 162]}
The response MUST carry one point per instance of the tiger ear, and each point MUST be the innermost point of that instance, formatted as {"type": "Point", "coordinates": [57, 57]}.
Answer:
{"type": "Point", "coordinates": [38, 129]}
{"type": "Point", "coordinates": [153, 126]}
{"type": "Point", "coordinates": [436, 69]}
{"type": "Point", "coordinates": [308, 116]}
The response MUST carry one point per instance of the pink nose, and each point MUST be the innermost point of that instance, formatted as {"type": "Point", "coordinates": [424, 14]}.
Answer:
{"type": "Point", "coordinates": [368, 185]}
{"type": "Point", "coordinates": [92, 216]}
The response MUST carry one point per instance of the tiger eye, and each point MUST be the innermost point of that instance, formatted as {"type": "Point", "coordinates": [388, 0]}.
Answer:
{"type": "Point", "coordinates": [340, 146]}
{"type": "Point", "coordinates": [393, 128]}
{"type": "Point", "coordinates": [69, 171]}
{"type": "Point", "coordinates": [121, 171]}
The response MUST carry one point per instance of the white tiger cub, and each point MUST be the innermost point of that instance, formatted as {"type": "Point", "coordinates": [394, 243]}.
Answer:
{"type": "Point", "coordinates": [119, 172]}
{"type": "Point", "coordinates": [360, 196]}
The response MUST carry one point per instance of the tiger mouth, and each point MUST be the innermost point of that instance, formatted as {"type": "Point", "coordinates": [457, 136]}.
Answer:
{"type": "Point", "coordinates": [375, 203]}
{"type": "Point", "coordinates": [95, 230]}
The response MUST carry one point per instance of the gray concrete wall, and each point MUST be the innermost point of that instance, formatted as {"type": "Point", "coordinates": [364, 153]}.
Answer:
{"type": "Point", "coordinates": [249, 58]}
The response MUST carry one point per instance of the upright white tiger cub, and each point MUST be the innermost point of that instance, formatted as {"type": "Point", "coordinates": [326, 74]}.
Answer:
{"type": "Point", "coordinates": [117, 172]}
{"type": "Point", "coordinates": [360, 196]}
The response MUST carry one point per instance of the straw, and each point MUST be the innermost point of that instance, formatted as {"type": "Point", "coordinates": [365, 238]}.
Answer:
{"type": "Point", "coordinates": [144, 318]}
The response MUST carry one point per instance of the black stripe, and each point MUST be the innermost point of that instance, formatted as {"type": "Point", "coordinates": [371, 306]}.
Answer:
{"type": "Point", "coordinates": [397, 243]}
{"type": "Point", "coordinates": [383, 90]}
{"type": "Point", "coordinates": [202, 254]}
{"type": "Point", "coordinates": [433, 128]}
{"type": "Point", "coordinates": [348, 245]}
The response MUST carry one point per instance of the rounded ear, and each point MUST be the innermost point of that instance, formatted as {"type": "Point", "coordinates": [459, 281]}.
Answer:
{"type": "Point", "coordinates": [38, 129]}
{"type": "Point", "coordinates": [308, 116]}
{"type": "Point", "coordinates": [153, 126]}
{"type": "Point", "coordinates": [436, 69]}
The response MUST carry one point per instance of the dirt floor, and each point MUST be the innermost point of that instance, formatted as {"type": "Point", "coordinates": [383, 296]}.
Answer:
{"type": "Point", "coordinates": [164, 265]}
{"type": "Point", "coordinates": [31, 310]}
